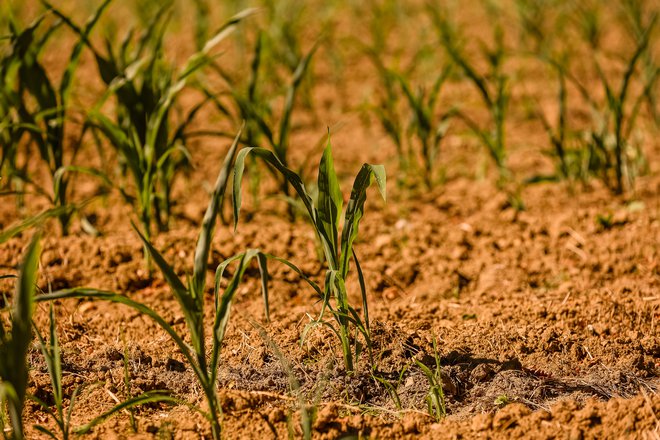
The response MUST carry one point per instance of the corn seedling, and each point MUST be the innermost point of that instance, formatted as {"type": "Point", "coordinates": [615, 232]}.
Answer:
{"type": "Point", "coordinates": [420, 139]}
{"type": "Point", "coordinates": [436, 396]}
{"type": "Point", "coordinates": [150, 145]}
{"type": "Point", "coordinates": [492, 86]}
{"type": "Point", "coordinates": [10, 128]}
{"type": "Point", "coordinates": [255, 109]}
{"type": "Point", "coordinates": [390, 386]}
{"type": "Point", "coordinates": [33, 104]}
{"type": "Point", "coordinates": [190, 297]}
{"type": "Point", "coordinates": [15, 342]}
{"type": "Point", "coordinates": [612, 153]}
{"type": "Point", "coordinates": [635, 15]}
{"type": "Point", "coordinates": [285, 37]}
{"type": "Point", "coordinates": [285, 25]}
{"type": "Point", "coordinates": [325, 216]}
{"type": "Point", "coordinates": [383, 17]}
{"type": "Point", "coordinates": [558, 133]}
{"type": "Point", "coordinates": [542, 23]}
{"type": "Point", "coordinates": [51, 353]}
{"type": "Point", "coordinates": [589, 18]}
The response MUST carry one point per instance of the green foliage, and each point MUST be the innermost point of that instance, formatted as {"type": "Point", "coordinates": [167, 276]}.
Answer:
{"type": "Point", "coordinates": [15, 341]}
{"type": "Point", "coordinates": [151, 147]}
{"type": "Point", "coordinates": [253, 106]}
{"type": "Point", "coordinates": [417, 142]}
{"type": "Point", "coordinates": [32, 104]}
{"type": "Point", "coordinates": [492, 85]}
{"type": "Point", "coordinates": [541, 23]}
{"type": "Point", "coordinates": [611, 139]}
{"type": "Point", "coordinates": [558, 132]}
{"type": "Point", "coordinates": [501, 401]}
{"type": "Point", "coordinates": [607, 150]}
{"type": "Point", "coordinates": [190, 297]}
{"type": "Point", "coordinates": [636, 15]}
{"type": "Point", "coordinates": [436, 396]}
{"type": "Point", "coordinates": [338, 250]}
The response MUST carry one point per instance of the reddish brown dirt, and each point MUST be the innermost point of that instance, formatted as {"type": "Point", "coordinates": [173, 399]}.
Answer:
{"type": "Point", "coordinates": [544, 307]}
{"type": "Point", "coordinates": [546, 320]}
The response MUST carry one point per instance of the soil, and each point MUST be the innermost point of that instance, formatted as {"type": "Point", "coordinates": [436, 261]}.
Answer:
{"type": "Point", "coordinates": [546, 319]}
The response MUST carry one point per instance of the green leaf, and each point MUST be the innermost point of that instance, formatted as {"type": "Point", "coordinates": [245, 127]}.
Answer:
{"type": "Point", "coordinates": [270, 158]}
{"type": "Point", "coordinates": [224, 308]}
{"type": "Point", "coordinates": [154, 396]}
{"type": "Point", "coordinates": [282, 145]}
{"type": "Point", "coordinates": [45, 431]}
{"type": "Point", "coordinates": [35, 220]}
{"type": "Point", "coordinates": [67, 79]}
{"type": "Point", "coordinates": [208, 223]}
{"type": "Point", "coordinates": [330, 201]}
{"type": "Point", "coordinates": [355, 209]}
{"type": "Point", "coordinates": [192, 308]}
{"type": "Point", "coordinates": [13, 352]}
{"type": "Point", "coordinates": [363, 292]}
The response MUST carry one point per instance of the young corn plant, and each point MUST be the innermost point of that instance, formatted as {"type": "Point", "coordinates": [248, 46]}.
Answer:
{"type": "Point", "coordinates": [492, 85]}
{"type": "Point", "coordinates": [15, 342]}
{"type": "Point", "coordinates": [418, 142]}
{"type": "Point", "coordinates": [325, 217]}
{"type": "Point", "coordinates": [146, 88]}
{"type": "Point", "coordinates": [558, 132]}
{"type": "Point", "coordinates": [436, 396]}
{"type": "Point", "coordinates": [637, 15]}
{"type": "Point", "coordinates": [10, 135]}
{"type": "Point", "coordinates": [254, 107]}
{"type": "Point", "coordinates": [34, 104]}
{"type": "Point", "coordinates": [572, 158]}
{"type": "Point", "coordinates": [10, 130]}
{"type": "Point", "coordinates": [285, 32]}
{"type": "Point", "coordinates": [613, 155]}
{"type": "Point", "coordinates": [542, 24]}
{"type": "Point", "coordinates": [51, 353]}
{"type": "Point", "coordinates": [60, 414]}
{"type": "Point", "coordinates": [190, 296]}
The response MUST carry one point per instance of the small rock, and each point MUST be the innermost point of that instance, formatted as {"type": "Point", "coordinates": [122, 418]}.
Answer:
{"type": "Point", "coordinates": [481, 373]}
{"type": "Point", "coordinates": [174, 365]}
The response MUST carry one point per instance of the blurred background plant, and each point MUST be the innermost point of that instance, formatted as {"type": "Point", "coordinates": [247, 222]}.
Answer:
{"type": "Point", "coordinates": [34, 105]}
